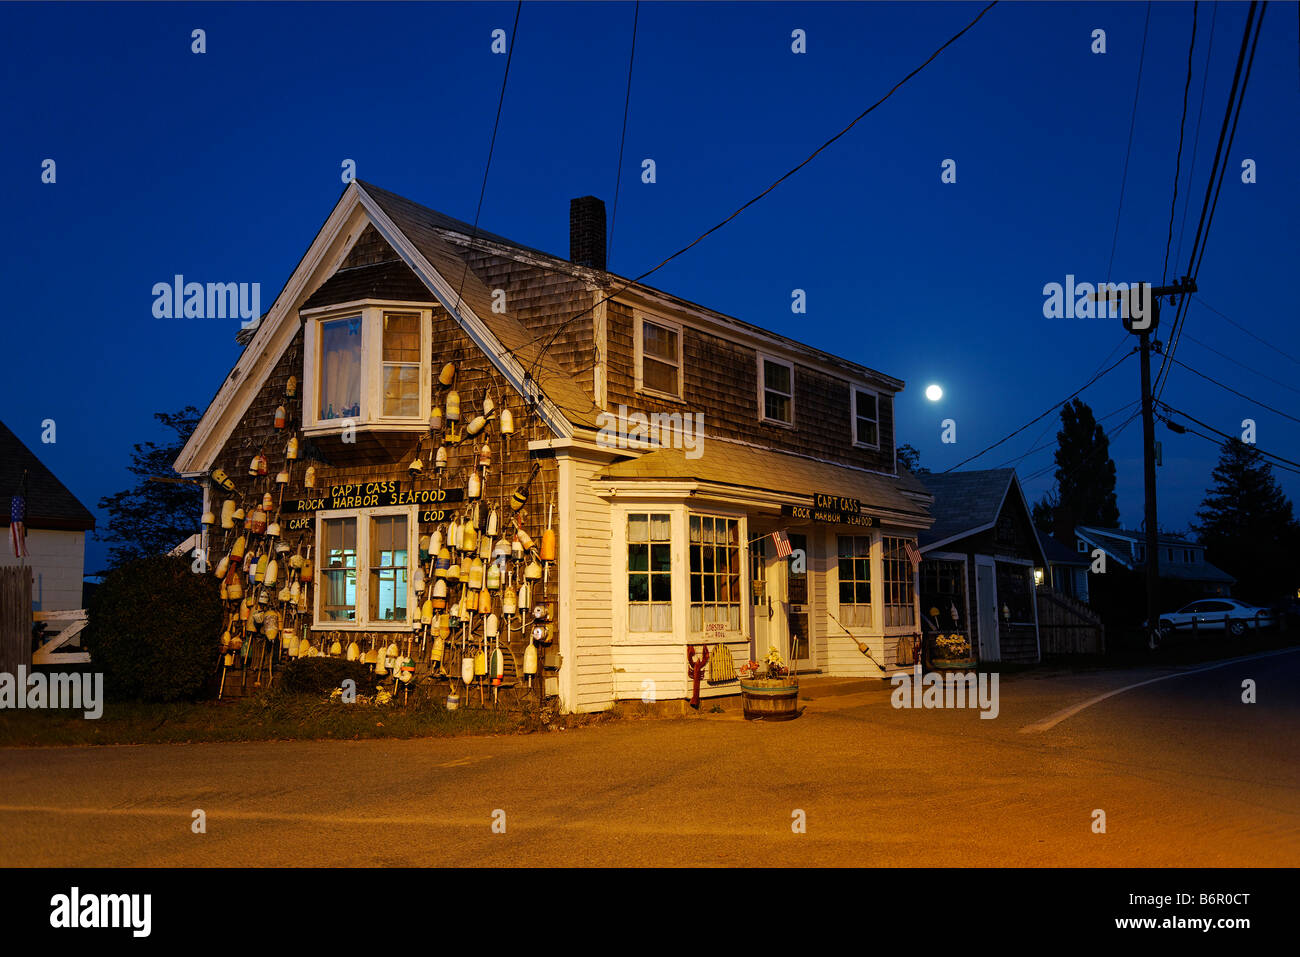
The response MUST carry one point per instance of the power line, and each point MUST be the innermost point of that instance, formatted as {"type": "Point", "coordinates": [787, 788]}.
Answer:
{"type": "Point", "coordinates": [510, 52]}
{"type": "Point", "coordinates": [1211, 201]}
{"type": "Point", "coordinates": [1196, 136]}
{"type": "Point", "coordinates": [1091, 455]}
{"type": "Point", "coordinates": [1048, 445]}
{"type": "Point", "coordinates": [1224, 355]}
{"type": "Point", "coordinates": [1132, 124]}
{"type": "Point", "coordinates": [1178, 161]}
{"type": "Point", "coordinates": [1038, 418]}
{"type": "Point", "coordinates": [1216, 442]}
{"type": "Point", "coordinates": [627, 100]}
{"type": "Point", "coordinates": [1227, 318]}
{"type": "Point", "coordinates": [704, 235]}
{"type": "Point", "coordinates": [1169, 408]}
{"type": "Point", "coordinates": [1229, 388]}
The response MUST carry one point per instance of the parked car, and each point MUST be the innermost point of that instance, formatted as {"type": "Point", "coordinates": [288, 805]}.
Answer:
{"type": "Point", "coordinates": [1216, 614]}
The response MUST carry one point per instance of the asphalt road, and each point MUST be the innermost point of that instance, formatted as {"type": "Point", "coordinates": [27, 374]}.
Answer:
{"type": "Point", "coordinates": [1186, 773]}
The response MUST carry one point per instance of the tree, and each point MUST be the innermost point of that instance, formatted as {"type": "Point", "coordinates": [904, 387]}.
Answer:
{"type": "Point", "coordinates": [1085, 475]}
{"type": "Point", "coordinates": [154, 517]}
{"type": "Point", "coordinates": [1247, 525]}
{"type": "Point", "coordinates": [910, 459]}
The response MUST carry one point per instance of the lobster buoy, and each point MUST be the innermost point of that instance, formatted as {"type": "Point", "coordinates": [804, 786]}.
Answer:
{"type": "Point", "coordinates": [291, 449]}
{"type": "Point", "coordinates": [498, 667]}
{"type": "Point", "coordinates": [474, 488]}
{"type": "Point", "coordinates": [507, 422]}
{"type": "Point", "coordinates": [237, 550]}
{"type": "Point", "coordinates": [530, 659]}
{"type": "Point", "coordinates": [440, 458]}
{"type": "Point", "coordinates": [435, 543]}
{"type": "Point", "coordinates": [485, 547]}
{"type": "Point", "coordinates": [268, 502]}
{"type": "Point", "coordinates": [525, 595]}
{"type": "Point", "coordinates": [491, 627]}
{"type": "Point", "coordinates": [484, 602]}
{"type": "Point", "coordinates": [426, 612]}
{"type": "Point", "coordinates": [291, 386]}
{"type": "Point", "coordinates": [520, 497]}
{"type": "Point", "coordinates": [416, 467]}
{"type": "Point", "coordinates": [271, 626]}
{"type": "Point", "coordinates": [424, 549]}
{"type": "Point", "coordinates": [453, 701]}
{"type": "Point", "coordinates": [467, 669]}
{"type": "Point", "coordinates": [508, 602]}
{"type": "Point", "coordinates": [439, 649]}
{"type": "Point", "coordinates": [282, 477]}
{"type": "Point", "coordinates": [447, 375]}
{"type": "Point", "coordinates": [354, 651]}
{"type": "Point", "coordinates": [485, 457]}
{"type": "Point", "coordinates": [408, 671]}
{"type": "Point", "coordinates": [280, 416]}
{"type": "Point", "coordinates": [453, 406]}
{"type": "Point", "coordinates": [439, 597]}
{"type": "Point", "coordinates": [336, 647]}
{"type": "Point", "coordinates": [273, 530]}
{"type": "Point", "coordinates": [525, 539]}
{"type": "Point", "coordinates": [208, 518]}
{"type": "Point", "coordinates": [516, 549]}
{"type": "Point", "coordinates": [234, 587]}
{"type": "Point", "coordinates": [381, 662]}
{"type": "Point", "coordinates": [453, 536]}
{"type": "Point", "coordinates": [441, 564]}
{"type": "Point", "coordinates": [309, 480]}
{"type": "Point", "coordinates": [476, 575]}
{"type": "Point", "coordinates": [259, 575]}
{"type": "Point", "coordinates": [453, 572]}
{"type": "Point", "coordinates": [492, 577]}
{"type": "Point", "coordinates": [475, 426]}
{"type": "Point", "coordinates": [257, 522]}
{"type": "Point", "coordinates": [223, 480]}
{"type": "Point", "coordinates": [228, 513]}
{"type": "Point", "coordinates": [444, 628]}
{"type": "Point", "coordinates": [480, 663]}
{"type": "Point", "coordinates": [488, 405]}
{"type": "Point", "coordinates": [468, 538]}
{"type": "Point", "coordinates": [294, 591]}
{"type": "Point", "coordinates": [222, 566]}
{"type": "Point", "coordinates": [418, 583]}
{"type": "Point", "coordinates": [239, 517]}
{"type": "Point", "coordinates": [435, 419]}
{"type": "Point", "coordinates": [271, 573]}
{"type": "Point", "coordinates": [548, 545]}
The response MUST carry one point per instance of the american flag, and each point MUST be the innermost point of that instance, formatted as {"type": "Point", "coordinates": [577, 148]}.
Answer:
{"type": "Point", "coordinates": [17, 528]}
{"type": "Point", "coordinates": [782, 544]}
{"type": "Point", "coordinates": [913, 555]}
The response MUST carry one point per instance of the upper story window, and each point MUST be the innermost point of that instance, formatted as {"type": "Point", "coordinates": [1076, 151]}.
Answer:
{"type": "Point", "coordinates": [367, 363]}
{"type": "Point", "coordinates": [658, 357]}
{"type": "Point", "coordinates": [1081, 546]}
{"type": "Point", "coordinates": [776, 390]}
{"type": "Point", "coordinates": [1189, 555]}
{"type": "Point", "coordinates": [866, 419]}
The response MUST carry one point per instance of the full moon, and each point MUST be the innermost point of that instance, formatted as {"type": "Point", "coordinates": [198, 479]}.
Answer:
{"type": "Point", "coordinates": [933, 393]}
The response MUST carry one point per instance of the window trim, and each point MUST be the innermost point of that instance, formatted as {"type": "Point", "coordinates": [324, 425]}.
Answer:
{"type": "Point", "coordinates": [638, 337]}
{"type": "Point", "coordinates": [742, 600]}
{"type": "Point", "coordinates": [372, 363]}
{"type": "Point", "coordinates": [873, 559]}
{"type": "Point", "coordinates": [853, 415]}
{"type": "Point", "coordinates": [363, 622]}
{"type": "Point", "coordinates": [763, 359]}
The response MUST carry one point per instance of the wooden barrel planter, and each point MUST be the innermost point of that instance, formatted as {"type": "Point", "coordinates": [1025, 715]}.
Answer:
{"type": "Point", "coordinates": [953, 664]}
{"type": "Point", "coordinates": [770, 699]}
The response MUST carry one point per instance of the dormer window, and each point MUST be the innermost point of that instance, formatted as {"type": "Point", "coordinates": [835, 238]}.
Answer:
{"type": "Point", "coordinates": [866, 419]}
{"type": "Point", "coordinates": [658, 357]}
{"type": "Point", "coordinates": [775, 390]}
{"type": "Point", "coordinates": [367, 364]}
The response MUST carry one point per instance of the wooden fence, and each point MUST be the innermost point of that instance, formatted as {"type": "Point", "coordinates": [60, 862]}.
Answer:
{"type": "Point", "coordinates": [15, 619]}
{"type": "Point", "coordinates": [1067, 626]}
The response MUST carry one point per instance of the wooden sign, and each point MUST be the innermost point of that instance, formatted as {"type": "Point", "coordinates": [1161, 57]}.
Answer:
{"type": "Point", "coordinates": [826, 516]}
{"type": "Point", "coordinates": [374, 495]}
{"type": "Point", "coordinates": [836, 503]}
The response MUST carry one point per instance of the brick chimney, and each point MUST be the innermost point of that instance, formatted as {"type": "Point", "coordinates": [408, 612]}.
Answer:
{"type": "Point", "coordinates": [587, 232]}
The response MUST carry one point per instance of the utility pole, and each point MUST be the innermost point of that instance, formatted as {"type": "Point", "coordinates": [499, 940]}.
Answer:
{"type": "Point", "coordinates": [1143, 324]}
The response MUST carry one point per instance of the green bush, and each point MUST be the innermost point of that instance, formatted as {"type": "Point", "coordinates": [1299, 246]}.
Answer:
{"type": "Point", "coordinates": [155, 629]}
{"type": "Point", "coordinates": [321, 675]}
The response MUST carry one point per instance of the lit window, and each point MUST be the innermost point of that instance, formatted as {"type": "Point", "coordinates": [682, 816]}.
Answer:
{"type": "Point", "coordinates": [401, 381]}
{"type": "Point", "coordinates": [855, 580]}
{"type": "Point", "coordinates": [661, 359]}
{"type": "Point", "coordinates": [866, 418]}
{"type": "Point", "coordinates": [339, 569]}
{"type": "Point", "coordinates": [365, 565]}
{"type": "Point", "coordinates": [340, 368]}
{"type": "Point", "coordinates": [649, 573]}
{"type": "Point", "coordinates": [388, 568]}
{"type": "Point", "coordinates": [1015, 601]}
{"type": "Point", "coordinates": [900, 606]}
{"type": "Point", "coordinates": [777, 386]}
{"type": "Point", "coordinates": [715, 572]}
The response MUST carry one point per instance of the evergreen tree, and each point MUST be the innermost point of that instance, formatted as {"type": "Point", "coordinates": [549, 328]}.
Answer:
{"type": "Point", "coordinates": [1085, 474]}
{"type": "Point", "coordinates": [154, 517]}
{"type": "Point", "coordinates": [910, 459]}
{"type": "Point", "coordinates": [1247, 525]}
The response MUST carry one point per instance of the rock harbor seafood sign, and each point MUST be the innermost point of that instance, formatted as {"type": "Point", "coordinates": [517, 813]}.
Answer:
{"type": "Point", "coordinates": [375, 495]}
{"type": "Point", "coordinates": [832, 510]}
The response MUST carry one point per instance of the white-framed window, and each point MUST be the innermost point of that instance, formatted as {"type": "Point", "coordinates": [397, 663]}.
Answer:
{"type": "Point", "coordinates": [1189, 555]}
{"type": "Point", "coordinates": [899, 583]}
{"type": "Point", "coordinates": [367, 363]}
{"type": "Point", "coordinates": [1081, 546]}
{"type": "Point", "coordinates": [649, 572]}
{"type": "Point", "coordinates": [714, 571]}
{"type": "Point", "coordinates": [364, 560]}
{"type": "Point", "coordinates": [658, 356]}
{"type": "Point", "coordinates": [866, 418]}
{"type": "Point", "coordinates": [775, 390]}
{"type": "Point", "coordinates": [854, 555]}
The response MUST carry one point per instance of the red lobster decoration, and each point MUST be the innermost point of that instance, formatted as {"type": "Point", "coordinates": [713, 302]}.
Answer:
{"type": "Point", "coordinates": [695, 670]}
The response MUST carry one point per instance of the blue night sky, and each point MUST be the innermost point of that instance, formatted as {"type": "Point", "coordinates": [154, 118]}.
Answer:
{"type": "Point", "coordinates": [222, 167]}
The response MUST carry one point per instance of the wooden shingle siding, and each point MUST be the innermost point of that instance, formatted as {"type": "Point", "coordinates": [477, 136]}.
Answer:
{"type": "Point", "coordinates": [720, 379]}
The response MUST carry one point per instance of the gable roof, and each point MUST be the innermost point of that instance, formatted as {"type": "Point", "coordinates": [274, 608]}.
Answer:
{"type": "Point", "coordinates": [49, 503]}
{"type": "Point", "coordinates": [1117, 544]}
{"type": "Point", "coordinates": [966, 503]}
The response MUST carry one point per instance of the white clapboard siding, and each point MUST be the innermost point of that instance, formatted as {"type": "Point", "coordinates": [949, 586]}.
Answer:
{"type": "Point", "coordinates": [57, 560]}
{"type": "Point", "coordinates": [590, 573]}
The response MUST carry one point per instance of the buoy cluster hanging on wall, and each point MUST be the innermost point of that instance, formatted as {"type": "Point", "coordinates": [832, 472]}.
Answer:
{"type": "Point", "coordinates": [479, 578]}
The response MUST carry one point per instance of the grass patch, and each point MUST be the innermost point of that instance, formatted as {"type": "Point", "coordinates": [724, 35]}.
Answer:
{"type": "Point", "coordinates": [274, 716]}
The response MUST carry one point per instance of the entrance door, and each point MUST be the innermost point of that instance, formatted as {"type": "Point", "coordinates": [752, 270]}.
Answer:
{"type": "Point", "coordinates": [762, 615]}
{"type": "Point", "coordinates": [798, 647]}
{"type": "Point", "coordinates": [986, 599]}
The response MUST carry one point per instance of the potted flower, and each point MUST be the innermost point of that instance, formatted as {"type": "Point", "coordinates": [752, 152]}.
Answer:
{"type": "Point", "coordinates": [951, 652]}
{"type": "Point", "coordinates": [768, 689]}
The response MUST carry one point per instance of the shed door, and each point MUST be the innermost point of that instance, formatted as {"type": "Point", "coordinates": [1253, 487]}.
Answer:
{"type": "Point", "coordinates": [986, 591]}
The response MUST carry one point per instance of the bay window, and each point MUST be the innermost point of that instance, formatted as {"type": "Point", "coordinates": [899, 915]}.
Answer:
{"type": "Point", "coordinates": [855, 580]}
{"type": "Point", "coordinates": [714, 572]}
{"type": "Point", "coordinates": [899, 585]}
{"type": "Point", "coordinates": [366, 364]}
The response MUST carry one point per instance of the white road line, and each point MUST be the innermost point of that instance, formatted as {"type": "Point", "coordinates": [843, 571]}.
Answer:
{"type": "Point", "coordinates": [1046, 724]}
